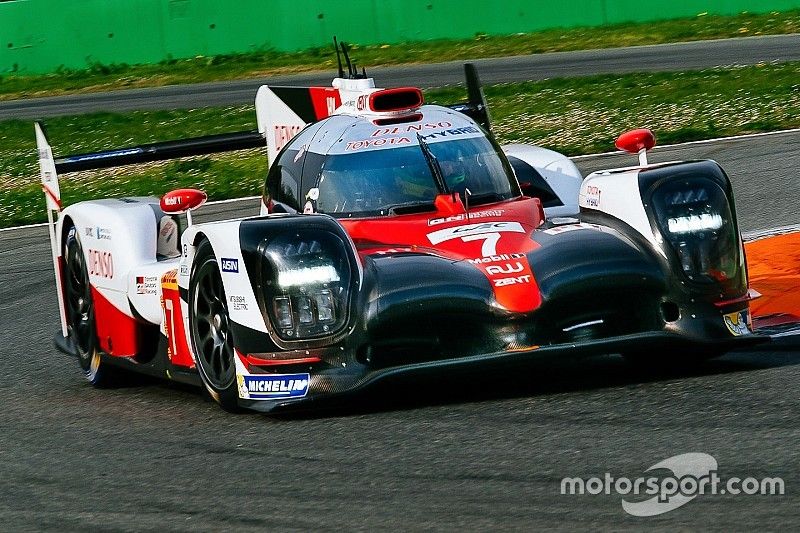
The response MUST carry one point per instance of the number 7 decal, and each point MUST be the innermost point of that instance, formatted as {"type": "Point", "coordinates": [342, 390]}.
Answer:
{"type": "Point", "coordinates": [489, 247]}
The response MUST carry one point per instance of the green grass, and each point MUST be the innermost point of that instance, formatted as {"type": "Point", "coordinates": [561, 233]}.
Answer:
{"type": "Point", "coordinates": [203, 69]}
{"type": "Point", "coordinates": [574, 116]}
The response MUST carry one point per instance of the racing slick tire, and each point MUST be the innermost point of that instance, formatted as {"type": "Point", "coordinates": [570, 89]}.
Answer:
{"type": "Point", "coordinates": [211, 334]}
{"type": "Point", "coordinates": [80, 313]}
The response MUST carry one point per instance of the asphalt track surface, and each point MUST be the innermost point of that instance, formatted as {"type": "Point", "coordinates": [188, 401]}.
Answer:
{"type": "Point", "coordinates": [656, 58]}
{"type": "Point", "coordinates": [475, 452]}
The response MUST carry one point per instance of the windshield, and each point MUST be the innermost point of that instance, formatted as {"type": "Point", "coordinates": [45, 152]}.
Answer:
{"type": "Point", "coordinates": [399, 180]}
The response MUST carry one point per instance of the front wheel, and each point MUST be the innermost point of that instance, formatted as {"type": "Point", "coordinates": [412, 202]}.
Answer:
{"type": "Point", "coordinates": [81, 314]}
{"type": "Point", "coordinates": [212, 338]}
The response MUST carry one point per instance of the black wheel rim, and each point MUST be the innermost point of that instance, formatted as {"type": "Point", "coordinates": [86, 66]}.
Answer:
{"type": "Point", "coordinates": [211, 327]}
{"type": "Point", "coordinates": [80, 311]}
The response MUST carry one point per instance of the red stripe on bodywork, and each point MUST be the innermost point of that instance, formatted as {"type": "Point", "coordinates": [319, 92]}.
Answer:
{"type": "Point", "coordinates": [177, 348]}
{"type": "Point", "coordinates": [61, 265]}
{"type": "Point", "coordinates": [52, 196]}
{"type": "Point", "coordinates": [512, 280]}
{"type": "Point", "coordinates": [117, 333]}
{"type": "Point", "coordinates": [258, 361]}
{"type": "Point", "coordinates": [514, 284]}
{"type": "Point", "coordinates": [324, 100]}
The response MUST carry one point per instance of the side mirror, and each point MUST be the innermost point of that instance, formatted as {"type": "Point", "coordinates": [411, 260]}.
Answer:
{"type": "Point", "coordinates": [637, 142]}
{"type": "Point", "coordinates": [183, 201]}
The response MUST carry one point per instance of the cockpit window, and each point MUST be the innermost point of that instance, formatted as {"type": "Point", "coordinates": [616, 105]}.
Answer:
{"type": "Point", "coordinates": [399, 180]}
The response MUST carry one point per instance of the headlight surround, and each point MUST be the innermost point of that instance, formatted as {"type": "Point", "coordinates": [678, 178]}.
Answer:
{"type": "Point", "coordinates": [694, 217]}
{"type": "Point", "coordinates": [306, 284]}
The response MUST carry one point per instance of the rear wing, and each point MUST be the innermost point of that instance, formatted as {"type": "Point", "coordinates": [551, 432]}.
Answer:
{"type": "Point", "coordinates": [283, 111]}
{"type": "Point", "coordinates": [50, 168]}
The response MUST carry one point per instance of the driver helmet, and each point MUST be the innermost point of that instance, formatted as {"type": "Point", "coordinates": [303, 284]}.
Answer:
{"type": "Point", "coordinates": [455, 174]}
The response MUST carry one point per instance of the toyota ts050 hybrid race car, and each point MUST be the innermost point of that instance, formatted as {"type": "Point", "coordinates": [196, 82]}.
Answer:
{"type": "Point", "coordinates": [395, 237]}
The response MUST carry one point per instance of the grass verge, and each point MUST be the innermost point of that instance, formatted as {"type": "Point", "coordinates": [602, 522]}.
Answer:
{"type": "Point", "coordinates": [574, 116]}
{"type": "Point", "coordinates": [265, 63]}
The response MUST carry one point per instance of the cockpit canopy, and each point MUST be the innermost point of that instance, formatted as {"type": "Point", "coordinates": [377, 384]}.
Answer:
{"type": "Point", "coordinates": [349, 166]}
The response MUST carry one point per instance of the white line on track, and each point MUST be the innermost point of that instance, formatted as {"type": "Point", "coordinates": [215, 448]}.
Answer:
{"type": "Point", "coordinates": [575, 158]}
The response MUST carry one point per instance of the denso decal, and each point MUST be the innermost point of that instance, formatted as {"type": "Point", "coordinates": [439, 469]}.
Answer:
{"type": "Point", "coordinates": [101, 264]}
{"type": "Point", "coordinates": [411, 128]}
{"type": "Point", "coordinates": [284, 134]}
{"type": "Point", "coordinates": [272, 386]}
{"type": "Point", "coordinates": [229, 265]}
{"type": "Point", "coordinates": [738, 323]}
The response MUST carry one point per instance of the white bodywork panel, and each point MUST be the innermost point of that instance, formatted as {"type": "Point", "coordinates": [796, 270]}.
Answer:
{"type": "Point", "coordinates": [617, 193]}
{"type": "Point", "coordinates": [116, 236]}
{"type": "Point", "coordinates": [559, 172]}
{"type": "Point", "coordinates": [224, 238]}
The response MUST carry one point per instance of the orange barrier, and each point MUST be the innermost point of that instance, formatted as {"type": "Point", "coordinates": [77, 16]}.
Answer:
{"type": "Point", "coordinates": [773, 265]}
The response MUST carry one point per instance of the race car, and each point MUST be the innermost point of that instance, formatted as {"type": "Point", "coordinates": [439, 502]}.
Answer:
{"type": "Point", "coordinates": [395, 237]}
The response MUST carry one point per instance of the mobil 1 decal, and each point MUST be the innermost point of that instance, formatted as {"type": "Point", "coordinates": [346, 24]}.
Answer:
{"type": "Point", "coordinates": [499, 249]}
{"type": "Point", "coordinates": [512, 281]}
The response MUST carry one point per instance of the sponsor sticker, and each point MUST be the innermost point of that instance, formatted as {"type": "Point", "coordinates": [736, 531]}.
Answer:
{"type": "Point", "coordinates": [459, 232]}
{"type": "Point", "coordinates": [238, 303]}
{"type": "Point", "coordinates": [452, 132]}
{"type": "Point", "coordinates": [462, 217]}
{"type": "Point", "coordinates": [272, 386]}
{"type": "Point", "coordinates": [146, 284]}
{"type": "Point", "coordinates": [284, 134]}
{"type": "Point", "coordinates": [103, 234]}
{"type": "Point", "coordinates": [101, 264]}
{"type": "Point", "coordinates": [376, 143]}
{"type": "Point", "coordinates": [738, 323]}
{"type": "Point", "coordinates": [229, 265]}
{"type": "Point", "coordinates": [592, 196]}
{"type": "Point", "coordinates": [412, 128]}
{"type": "Point", "coordinates": [495, 258]}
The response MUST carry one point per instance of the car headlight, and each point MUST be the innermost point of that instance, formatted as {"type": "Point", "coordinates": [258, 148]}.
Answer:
{"type": "Point", "coordinates": [306, 278]}
{"type": "Point", "coordinates": [694, 218]}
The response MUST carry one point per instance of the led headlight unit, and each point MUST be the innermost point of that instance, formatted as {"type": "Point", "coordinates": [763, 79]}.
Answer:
{"type": "Point", "coordinates": [306, 282]}
{"type": "Point", "coordinates": [694, 217]}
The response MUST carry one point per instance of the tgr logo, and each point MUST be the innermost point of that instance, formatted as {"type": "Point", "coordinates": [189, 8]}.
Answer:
{"type": "Point", "coordinates": [690, 475]}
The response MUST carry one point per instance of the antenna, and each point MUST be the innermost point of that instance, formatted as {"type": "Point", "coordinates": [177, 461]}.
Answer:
{"type": "Point", "coordinates": [338, 57]}
{"type": "Point", "coordinates": [350, 70]}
